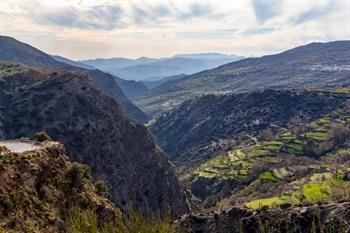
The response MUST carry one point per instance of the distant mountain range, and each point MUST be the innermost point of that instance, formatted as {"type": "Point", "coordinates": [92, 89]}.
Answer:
{"type": "Point", "coordinates": [312, 65]}
{"type": "Point", "coordinates": [152, 69]}
{"type": "Point", "coordinates": [131, 88]}
{"type": "Point", "coordinates": [71, 62]}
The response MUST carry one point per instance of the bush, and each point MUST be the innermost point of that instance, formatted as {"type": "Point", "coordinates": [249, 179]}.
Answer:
{"type": "Point", "coordinates": [42, 136]}
{"type": "Point", "coordinates": [339, 133]}
{"type": "Point", "coordinates": [78, 174]}
{"type": "Point", "coordinates": [101, 188]}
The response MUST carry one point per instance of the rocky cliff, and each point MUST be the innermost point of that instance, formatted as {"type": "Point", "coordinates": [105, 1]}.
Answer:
{"type": "Point", "coordinates": [95, 132]}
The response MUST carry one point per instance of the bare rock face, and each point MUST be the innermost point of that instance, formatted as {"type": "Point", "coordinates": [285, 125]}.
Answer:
{"type": "Point", "coordinates": [95, 132]}
{"type": "Point", "coordinates": [318, 218]}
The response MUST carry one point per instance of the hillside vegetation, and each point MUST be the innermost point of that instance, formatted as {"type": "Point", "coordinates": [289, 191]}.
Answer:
{"type": "Point", "coordinates": [285, 179]}
{"type": "Point", "coordinates": [208, 125]}
{"type": "Point", "coordinates": [302, 167]}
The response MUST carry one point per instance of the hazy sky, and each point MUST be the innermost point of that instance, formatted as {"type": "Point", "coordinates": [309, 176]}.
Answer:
{"type": "Point", "coordinates": [82, 29]}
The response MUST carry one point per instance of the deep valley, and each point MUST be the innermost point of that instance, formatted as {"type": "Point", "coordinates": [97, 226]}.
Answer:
{"type": "Point", "coordinates": [175, 116]}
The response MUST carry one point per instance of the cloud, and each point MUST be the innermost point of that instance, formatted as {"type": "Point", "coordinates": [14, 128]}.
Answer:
{"type": "Point", "coordinates": [195, 10]}
{"type": "Point", "coordinates": [313, 13]}
{"type": "Point", "coordinates": [148, 14]}
{"type": "Point", "coordinates": [258, 31]}
{"type": "Point", "coordinates": [105, 17]}
{"type": "Point", "coordinates": [159, 28]}
{"type": "Point", "coordinates": [151, 14]}
{"type": "Point", "coordinates": [208, 34]}
{"type": "Point", "coordinates": [140, 16]}
{"type": "Point", "coordinates": [266, 9]}
{"type": "Point", "coordinates": [162, 11]}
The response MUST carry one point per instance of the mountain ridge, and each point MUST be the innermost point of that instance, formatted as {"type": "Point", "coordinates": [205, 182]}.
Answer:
{"type": "Point", "coordinates": [16, 51]}
{"type": "Point", "coordinates": [308, 66]}
{"type": "Point", "coordinates": [144, 68]}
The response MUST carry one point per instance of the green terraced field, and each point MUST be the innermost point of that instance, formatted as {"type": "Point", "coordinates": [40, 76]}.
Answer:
{"type": "Point", "coordinates": [317, 136]}
{"type": "Point", "coordinates": [318, 187]}
{"type": "Point", "coordinates": [269, 202]}
{"type": "Point", "coordinates": [253, 164]}
{"type": "Point", "coordinates": [314, 192]}
{"type": "Point", "coordinates": [268, 176]}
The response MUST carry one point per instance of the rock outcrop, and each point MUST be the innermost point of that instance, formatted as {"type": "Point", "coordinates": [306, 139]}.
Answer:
{"type": "Point", "coordinates": [36, 191]}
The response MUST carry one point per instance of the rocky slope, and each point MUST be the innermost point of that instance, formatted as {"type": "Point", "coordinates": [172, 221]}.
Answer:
{"type": "Point", "coordinates": [312, 65]}
{"type": "Point", "coordinates": [95, 132]}
{"type": "Point", "coordinates": [208, 125]}
{"type": "Point", "coordinates": [36, 191]}
{"type": "Point", "coordinates": [307, 219]}
{"type": "Point", "coordinates": [131, 88]}
{"type": "Point", "coordinates": [109, 85]}
{"type": "Point", "coordinates": [16, 51]}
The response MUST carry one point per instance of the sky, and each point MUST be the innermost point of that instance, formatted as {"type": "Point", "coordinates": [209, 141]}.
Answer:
{"type": "Point", "coordinates": [82, 29]}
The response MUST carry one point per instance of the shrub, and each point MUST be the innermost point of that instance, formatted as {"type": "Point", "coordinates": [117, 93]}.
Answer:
{"type": "Point", "coordinates": [42, 136]}
{"type": "Point", "coordinates": [339, 133]}
{"type": "Point", "coordinates": [101, 188]}
{"type": "Point", "coordinates": [78, 174]}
